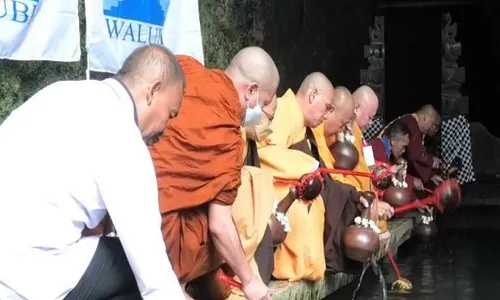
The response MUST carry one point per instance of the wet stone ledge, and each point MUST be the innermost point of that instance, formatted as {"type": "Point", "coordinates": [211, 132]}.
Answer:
{"type": "Point", "coordinates": [400, 230]}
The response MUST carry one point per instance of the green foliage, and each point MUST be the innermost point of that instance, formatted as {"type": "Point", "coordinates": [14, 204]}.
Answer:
{"type": "Point", "coordinates": [227, 26]}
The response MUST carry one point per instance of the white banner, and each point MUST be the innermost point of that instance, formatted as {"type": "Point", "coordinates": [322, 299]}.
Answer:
{"type": "Point", "coordinates": [116, 27]}
{"type": "Point", "coordinates": [39, 30]}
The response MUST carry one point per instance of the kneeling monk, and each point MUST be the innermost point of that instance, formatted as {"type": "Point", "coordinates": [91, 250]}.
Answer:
{"type": "Point", "coordinates": [390, 148]}
{"type": "Point", "coordinates": [421, 164]}
{"type": "Point", "coordinates": [260, 226]}
{"type": "Point", "coordinates": [336, 122]}
{"type": "Point", "coordinates": [291, 151]}
{"type": "Point", "coordinates": [198, 165]}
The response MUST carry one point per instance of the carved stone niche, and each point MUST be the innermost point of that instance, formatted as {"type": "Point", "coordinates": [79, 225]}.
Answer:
{"type": "Point", "coordinates": [453, 75]}
{"type": "Point", "coordinates": [452, 105]}
{"type": "Point", "coordinates": [374, 74]}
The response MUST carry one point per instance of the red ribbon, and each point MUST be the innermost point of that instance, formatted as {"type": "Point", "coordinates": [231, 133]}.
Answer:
{"type": "Point", "coordinates": [229, 280]}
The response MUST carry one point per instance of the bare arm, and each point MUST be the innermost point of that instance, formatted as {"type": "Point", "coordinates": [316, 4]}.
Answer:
{"type": "Point", "coordinates": [227, 240]}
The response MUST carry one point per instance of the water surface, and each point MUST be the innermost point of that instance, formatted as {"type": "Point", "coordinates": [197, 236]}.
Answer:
{"type": "Point", "coordinates": [462, 265]}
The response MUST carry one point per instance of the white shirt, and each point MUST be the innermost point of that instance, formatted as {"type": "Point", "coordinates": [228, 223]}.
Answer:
{"type": "Point", "coordinates": [67, 156]}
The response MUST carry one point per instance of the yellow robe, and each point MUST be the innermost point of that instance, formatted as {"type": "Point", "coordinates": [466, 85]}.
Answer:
{"type": "Point", "coordinates": [327, 157]}
{"type": "Point", "coordinates": [301, 256]}
{"type": "Point", "coordinates": [252, 210]}
{"type": "Point", "coordinates": [364, 182]}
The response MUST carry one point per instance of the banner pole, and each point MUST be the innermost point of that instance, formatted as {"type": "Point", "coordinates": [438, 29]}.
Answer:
{"type": "Point", "coordinates": [87, 71]}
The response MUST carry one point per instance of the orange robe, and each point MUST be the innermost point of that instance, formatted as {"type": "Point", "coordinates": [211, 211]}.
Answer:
{"type": "Point", "coordinates": [198, 161]}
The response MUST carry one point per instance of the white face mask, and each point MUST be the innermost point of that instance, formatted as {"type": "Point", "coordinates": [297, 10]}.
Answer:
{"type": "Point", "coordinates": [253, 115]}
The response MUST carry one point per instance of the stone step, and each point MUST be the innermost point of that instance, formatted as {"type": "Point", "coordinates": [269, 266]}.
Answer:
{"type": "Point", "coordinates": [400, 229]}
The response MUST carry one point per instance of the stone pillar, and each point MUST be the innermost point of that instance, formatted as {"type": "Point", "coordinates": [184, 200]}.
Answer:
{"type": "Point", "coordinates": [374, 75]}
{"type": "Point", "coordinates": [453, 103]}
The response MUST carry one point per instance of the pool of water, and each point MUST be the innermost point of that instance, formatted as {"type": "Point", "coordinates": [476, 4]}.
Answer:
{"type": "Point", "coordinates": [460, 265]}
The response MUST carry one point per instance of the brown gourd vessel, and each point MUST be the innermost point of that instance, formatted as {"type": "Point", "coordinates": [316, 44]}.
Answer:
{"type": "Point", "coordinates": [396, 196]}
{"type": "Point", "coordinates": [345, 154]}
{"type": "Point", "coordinates": [361, 243]}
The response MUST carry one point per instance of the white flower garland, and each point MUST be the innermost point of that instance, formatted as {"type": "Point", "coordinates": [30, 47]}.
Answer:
{"type": "Point", "coordinates": [346, 136]}
{"type": "Point", "coordinates": [427, 219]}
{"type": "Point", "coordinates": [282, 218]}
{"type": "Point", "coordinates": [367, 223]}
{"type": "Point", "coordinates": [399, 184]}
{"type": "Point", "coordinates": [402, 184]}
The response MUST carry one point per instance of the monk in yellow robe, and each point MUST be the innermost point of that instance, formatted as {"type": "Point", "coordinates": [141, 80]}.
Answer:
{"type": "Point", "coordinates": [314, 242]}
{"type": "Point", "coordinates": [336, 122]}
{"type": "Point", "coordinates": [254, 210]}
{"type": "Point", "coordinates": [365, 109]}
{"type": "Point", "coordinates": [198, 165]}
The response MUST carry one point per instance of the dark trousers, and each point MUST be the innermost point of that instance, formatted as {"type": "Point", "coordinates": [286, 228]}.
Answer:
{"type": "Point", "coordinates": [108, 277]}
{"type": "Point", "coordinates": [264, 257]}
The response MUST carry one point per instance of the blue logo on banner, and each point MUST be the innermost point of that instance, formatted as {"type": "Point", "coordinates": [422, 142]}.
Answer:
{"type": "Point", "coordinates": [20, 11]}
{"type": "Point", "coordinates": [138, 21]}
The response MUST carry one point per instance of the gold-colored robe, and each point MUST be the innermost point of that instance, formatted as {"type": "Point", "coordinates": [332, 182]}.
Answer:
{"type": "Point", "coordinates": [252, 210]}
{"type": "Point", "coordinates": [301, 256]}
{"type": "Point", "coordinates": [329, 160]}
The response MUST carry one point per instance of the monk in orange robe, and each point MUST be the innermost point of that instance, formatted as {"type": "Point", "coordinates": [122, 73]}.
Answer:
{"type": "Point", "coordinates": [198, 165]}
{"type": "Point", "coordinates": [314, 242]}
{"type": "Point", "coordinates": [422, 164]}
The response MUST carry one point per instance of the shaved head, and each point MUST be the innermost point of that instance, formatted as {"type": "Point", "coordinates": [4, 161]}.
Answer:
{"type": "Point", "coordinates": [151, 62]}
{"type": "Point", "coordinates": [428, 119]}
{"type": "Point", "coordinates": [255, 76]}
{"type": "Point", "coordinates": [315, 97]}
{"type": "Point", "coordinates": [342, 114]}
{"type": "Point", "coordinates": [155, 80]}
{"type": "Point", "coordinates": [366, 105]}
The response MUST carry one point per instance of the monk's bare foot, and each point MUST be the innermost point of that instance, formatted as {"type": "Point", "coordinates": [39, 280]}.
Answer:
{"type": "Point", "coordinates": [185, 293]}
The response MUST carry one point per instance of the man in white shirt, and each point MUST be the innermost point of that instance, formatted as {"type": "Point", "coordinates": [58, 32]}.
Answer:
{"type": "Point", "coordinates": [71, 154]}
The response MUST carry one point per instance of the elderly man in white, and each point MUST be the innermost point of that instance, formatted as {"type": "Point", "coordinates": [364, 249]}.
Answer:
{"type": "Point", "coordinates": [71, 154]}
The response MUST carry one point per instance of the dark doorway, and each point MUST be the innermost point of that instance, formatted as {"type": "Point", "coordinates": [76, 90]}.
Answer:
{"type": "Point", "coordinates": [413, 59]}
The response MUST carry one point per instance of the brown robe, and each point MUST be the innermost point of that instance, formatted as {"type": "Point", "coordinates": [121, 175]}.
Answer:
{"type": "Point", "coordinates": [419, 160]}
{"type": "Point", "coordinates": [264, 254]}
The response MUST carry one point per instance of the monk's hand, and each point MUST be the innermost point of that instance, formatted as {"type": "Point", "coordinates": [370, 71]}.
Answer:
{"type": "Point", "coordinates": [418, 184]}
{"type": "Point", "coordinates": [385, 211]}
{"type": "Point", "coordinates": [364, 202]}
{"type": "Point", "coordinates": [437, 180]}
{"type": "Point", "coordinates": [436, 162]}
{"type": "Point", "coordinates": [255, 289]}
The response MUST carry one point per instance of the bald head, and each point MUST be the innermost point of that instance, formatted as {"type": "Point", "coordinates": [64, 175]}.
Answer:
{"type": "Point", "coordinates": [342, 114]}
{"type": "Point", "coordinates": [255, 76]}
{"type": "Point", "coordinates": [427, 109]}
{"type": "Point", "coordinates": [151, 62]}
{"type": "Point", "coordinates": [428, 119]}
{"type": "Point", "coordinates": [155, 79]}
{"type": "Point", "coordinates": [366, 105]}
{"type": "Point", "coordinates": [315, 98]}
{"type": "Point", "coordinates": [316, 80]}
